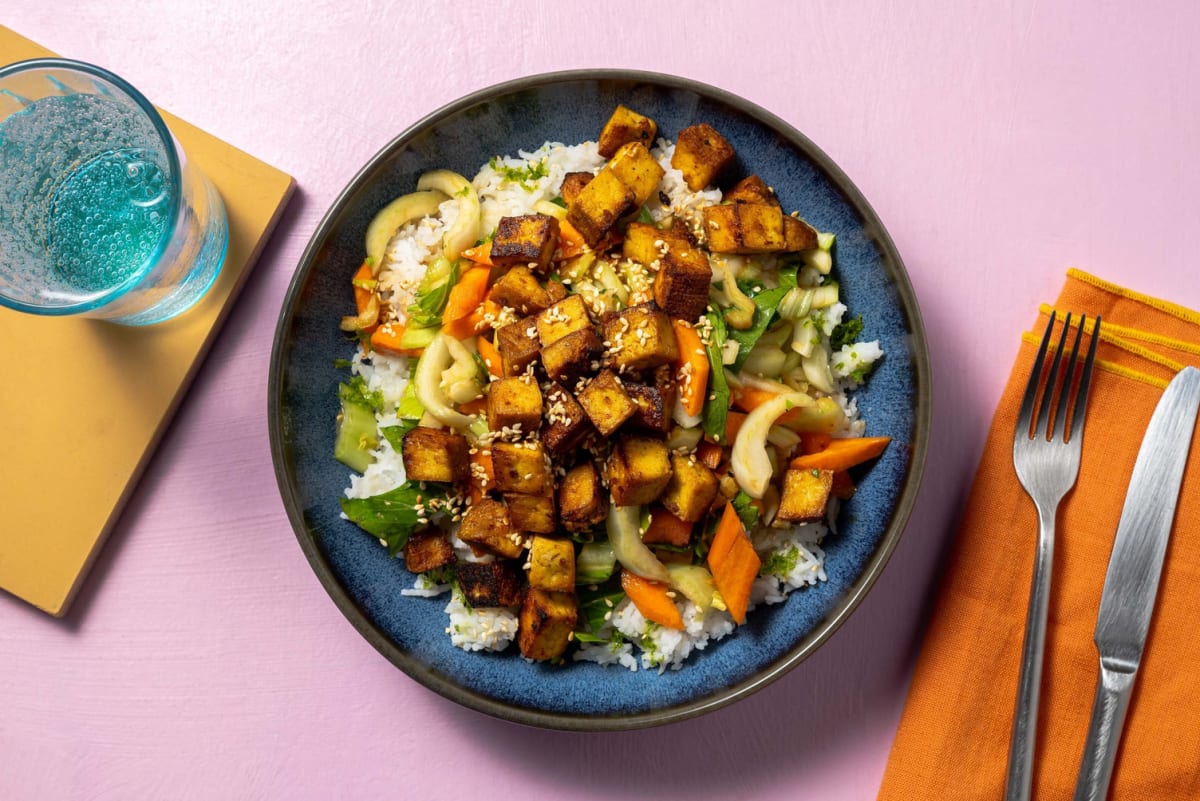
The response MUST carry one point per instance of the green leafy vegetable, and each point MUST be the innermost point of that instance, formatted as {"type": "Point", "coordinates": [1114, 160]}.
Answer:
{"type": "Point", "coordinates": [716, 403]}
{"type": "Point", "coordinates": [596, 606]}
{"type": "Point", "coordinates": [644, 216]}
{"type": "Point", "coordinates": [432, 294]}
{"type": "Point", "coordinates": [355, 391]}
{"type": "Point", "coordinates": [747, 512]}
{"type": "Point", "coordinates": [557, 200]}
{"type": "Point", "coordinates": [395, 434]}
{"type": "Point", "coordinates": [765, 306]}
{"type": "Point", "coordinates": [392, 516]}
{"type": "Point", "coordinates": [846, 333]}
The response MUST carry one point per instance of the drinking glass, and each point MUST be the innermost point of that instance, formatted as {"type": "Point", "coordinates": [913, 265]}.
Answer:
{"type": "Point", "coordinates": [101, 213]}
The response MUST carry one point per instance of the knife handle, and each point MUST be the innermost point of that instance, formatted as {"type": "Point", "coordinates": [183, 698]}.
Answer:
{"type": "Point", "coordinates": [1104, 733]}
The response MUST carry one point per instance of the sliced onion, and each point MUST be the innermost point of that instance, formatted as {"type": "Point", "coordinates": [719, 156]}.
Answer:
{"type": "Point", "coordinates": [625, 537]}
{"type": "Point", "coordinates": [749, 459]}
{"type": "Point", "coordinates": [464, 231]}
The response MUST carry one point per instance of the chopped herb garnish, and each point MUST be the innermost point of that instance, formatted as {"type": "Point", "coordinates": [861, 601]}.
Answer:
{"type": "Point", "coordinates": [644, 216]}
{"type": "Point", "coordinates": [355, 391]}
{"type": "Point", "coordinates": [846, 333]}
{"type": "Point", "coordinates": [522, 176]}
{"type": "Point", "coordinates": [342, 364]}
{"type": "Point", "coordinates": [747, 512]}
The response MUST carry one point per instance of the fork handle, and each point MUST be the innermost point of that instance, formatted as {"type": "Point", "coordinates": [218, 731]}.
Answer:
{"type": "Point", "coordinates": [1104, 733]}
{"type": "Point", "coordinates": [1024, 730]}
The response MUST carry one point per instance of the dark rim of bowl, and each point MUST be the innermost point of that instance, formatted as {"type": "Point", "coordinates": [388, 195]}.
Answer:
{"type": "Point", "coordinates": [419, 671]}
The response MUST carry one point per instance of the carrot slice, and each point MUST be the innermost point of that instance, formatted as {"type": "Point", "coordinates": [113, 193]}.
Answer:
{"type": "Point", "coordinates": [666, 528]}
{"type": "Point", "coordinates": [842, 453]}
{"type": "Point", "coordinates": [491, 356]}
{"type": "Point", "coordinates": [570, 241]}
{"type": "Point", "coordinates": [651, 599]}
{"type": "Point", "coordinates": [750, 398]}
{"type": "Point", "coordinates": [474, 407]}
{"type": "Point", "coordinates": [814, 441]}
{"type": "Point", "coordinates": [480, 254]}
{"type": "Point", "coordinates": [733, 424]}
{"type": "Point", "coordinates": [386, 339]}
{"type": "Point", "coordinates": [362, 296]}
{"type": "Point", "coordinates": [465, 327]}
{"type": "Point", "coordinates": [843, 486]}
{"type": "Point", "coordinates": [467, 294]}
{"type": "Point", "coordinates": [691, 367]}
{"type": "Point", "coordinates": [734, 563]}
{"type": "Point", "coordinates": [709, 454]}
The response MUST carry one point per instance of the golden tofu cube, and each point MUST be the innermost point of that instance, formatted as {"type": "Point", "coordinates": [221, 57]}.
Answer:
{"type": "Point", "coordinates": [566, 316]}
{"type": "Point", "coordinates": [582, 502]}
{"type": "Point", "coordinates": [487, 525]}
{"type": "Point", "coordinates": [518, 345]}
{"type": "Point", "coordinates": [640, 338]}
{"type": "Point", "coordinates": [665, 381]}
{"type": "Point", "coordinates": [652, 413]}
{"type": "Point", "coordinates": [545, 624]}
{"type": "Point", "coordinates": [566, 422]}
{"type": "Point", "coordinates": [700, 154]}
{"type": "Point", "coordinates": [691, 490]}
{"type": "Point", "coordinates": [521, 467]}
{"type": "Point", "coordinates": [428, 550]}
{"type": "Point", "coordinates": [556, 291]}
{"type": "Point", "coordinates": [552, 564]}
{"type": "Point", "coordinates": [625, 125]}
{"type": "Point", "coordinates": [798, 235]}
{"type": "Point", "coordinates": [599, 205]}
{"type": "Point", "coordinates": [644, 243]}
{"type": "Point", "coordinates": [490, 584]}
{"type": "Point", "coordinates": [606, 402]}
{"type": "Point", "coordinates": [638, 170]}
{"type": "Point", "coordinates": [518, 289]}
{"type": "Point", "coordinates": [529, 240]}
{"type": "Point", "coordinates": [573, 183]}
{"type": "Point", "coordinates": [434, 454]}
{"type": "Point", "coordinates": [744, 228]}
{"type": "Point", "coordinates": [531, 513]}
{"type": "Point", "coordinates": [805, 495]}
{"type": "Point", "coordinates": [573, 355]}
{"type": "Point", "coordinates": [515, 401]}
{"type": "Point", "coordinates": [751, 190]}
{"type": "Point", "coordinates": [638, 470]}
{"type": "Point", "coordinates": [682, 282]}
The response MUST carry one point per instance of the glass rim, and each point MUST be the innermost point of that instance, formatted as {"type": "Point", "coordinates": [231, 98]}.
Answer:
{"type": "Point", "coordinates": [175, 181]}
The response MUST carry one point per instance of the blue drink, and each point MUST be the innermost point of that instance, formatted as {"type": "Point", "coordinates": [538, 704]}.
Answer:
{"type": "Point", "coordinates": [100, 213]}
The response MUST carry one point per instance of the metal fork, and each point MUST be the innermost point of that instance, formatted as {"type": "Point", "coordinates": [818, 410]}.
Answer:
{"type": "Point", "coordinates": [1046, 457]}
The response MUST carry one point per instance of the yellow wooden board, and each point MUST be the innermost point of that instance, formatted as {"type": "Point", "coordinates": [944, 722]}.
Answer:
{"type": "Point", "coordinates": [79, 421]}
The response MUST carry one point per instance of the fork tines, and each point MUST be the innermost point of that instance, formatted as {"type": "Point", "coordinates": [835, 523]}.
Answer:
{"type": "Point", "coordinates": [1045, 382]}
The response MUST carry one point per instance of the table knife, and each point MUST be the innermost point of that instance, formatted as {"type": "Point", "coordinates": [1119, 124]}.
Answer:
{"type": "Point", "coordinates": [1131, 584]}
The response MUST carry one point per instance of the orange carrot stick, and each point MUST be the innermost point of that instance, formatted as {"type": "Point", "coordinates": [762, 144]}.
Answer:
{"type": "Point", "coordinates": [691, 367]}
{"type": "Point", "coordinates": [734, 563]}
{"type": "Point", "coordinates": [465, 327]}
{"type": "Point", "coordinates": [467, 294]}
{"type": "Point", "coordinates": [362, 296]}
{"type": "Point", "coordinates": [666, 528]}
{"type": "Point", "coordinates": [651, 599]}
{"type": "Point", "coordinates": [491, 356]}
{"type": "Point", "coordinates": [750, 398]}
{"type": "Point", "coordinates": [842, 453]}
{"type": "Point", "coordinates": [813, 441]}
{"type": "Point", "coordinates": [386, 339]}
{"type": "Point", "coordinates": [733, 424]}
{"type": "Point", "coordinates": [570, 241]}
{"type": "Point", "coordinates": [480, 254]}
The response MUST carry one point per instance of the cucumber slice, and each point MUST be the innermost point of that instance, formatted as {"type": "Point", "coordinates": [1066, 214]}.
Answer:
{"type": "Point", "coordinates": [415, 338]}
{"type": "Point", "coordinates": [595, 563]}
{"type": "Point", "coordinates": [357, 436]}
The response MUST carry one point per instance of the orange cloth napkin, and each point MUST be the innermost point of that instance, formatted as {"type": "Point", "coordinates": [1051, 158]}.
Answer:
{"type": "Point", "coordinates": [953, 738]}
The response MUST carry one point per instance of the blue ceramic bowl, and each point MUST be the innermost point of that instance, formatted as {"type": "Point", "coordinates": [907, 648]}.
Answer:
{"type": "Point", "coordinates": [365, 583]}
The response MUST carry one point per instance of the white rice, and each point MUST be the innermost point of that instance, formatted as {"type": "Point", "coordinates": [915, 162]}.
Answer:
{"type": "Point", "coordinates": [482, 629]}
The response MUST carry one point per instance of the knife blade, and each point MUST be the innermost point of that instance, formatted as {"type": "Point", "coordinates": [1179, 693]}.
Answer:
{"type": "Point", "coordinates": [1134, 569]}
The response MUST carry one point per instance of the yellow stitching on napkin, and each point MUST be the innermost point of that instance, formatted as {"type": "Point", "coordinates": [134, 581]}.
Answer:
{"type": "Point", "coordinates": [1118, 342]}
{"type": "Point", "coordinates": [1167, 307]}
{"type": "Point", "coordinates": [1154, 339]}
{"type": "Point", "coordinates": [1107, 366]}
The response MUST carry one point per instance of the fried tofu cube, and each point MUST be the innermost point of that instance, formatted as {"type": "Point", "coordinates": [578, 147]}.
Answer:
{"type": "Point", "coordinates": [529, 240]}
{"type": "Point", "coordinates": [521, 467]}
{"type": "Point", "coordinates": [805, 495]}
{"type": "Point", "coordinates": [519, 289]}
{"type": "Point", "coordinates": [691, 489]}
{"type": "Point", "coordinates": [552, 564]}
{"type": "Point", "coordinates": [638, 170]}
{"type": "Point", "coordinates": [700, 154]}
{"type": "Point", "coordinates": [489, 584]}
{"type": "Point", "coordinates": [566, 422]}
{"type": "Point", "coordinates": [640, 338]}
{"type": "Point", "coordinates": [625, 125]}
{"type": "Point", "coordinates": [744, 228]}
{"type": "Point", "coordinates": [514, 401]}
{"type": "Point", "coordinates": [428, 550]}
{"type": "Point", "coordinates": [665, 381]}
{"type": "Point", "coordinates": [652, 413]}
{"type": "Point", "coordinates": [533, 514]}
{"type": "Point", "coordinates": [556, 291]}
{"type": "Point", "coordinates": [582, 502]}
{"type": "Point", "coordinates": [545, 624]}
{"type": "Point", "coordinates": [798, 235]}
{"type": "Point", "coordinates": [573, 183]}
{"type": "Point", "coordinates": [682, 282]}
{"type": "Point", "coordinates": [643, 243]}
{"type": "Point", "coordinates": [488, 525]}
{"type": "Point", "coordinates": [566, 316]}
{"type": "Point", "coordinates": [751, 190]}
{"type": "Point", "coordinates": [599, 205]}
{"type": "Point", "coordinates": [434, 454]}
{"type": "Point", "coordinates": [638, 470]}
{"type": "Point", "coordinates": [573, 355]}
{"type": "Point", "coordinates": [606, 402]}
{"type": "Point", "coordinates": [518, 345]}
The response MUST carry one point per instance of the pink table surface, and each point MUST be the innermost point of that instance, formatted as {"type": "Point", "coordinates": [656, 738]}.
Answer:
{"type": "Point", "coordinates": [204, 660]}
